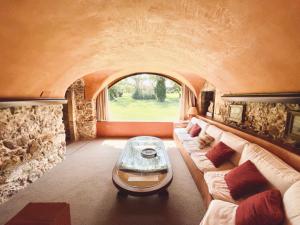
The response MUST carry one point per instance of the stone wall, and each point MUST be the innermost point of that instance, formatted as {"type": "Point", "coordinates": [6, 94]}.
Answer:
{"type": "Point", "coordinates": [265, 119]}
{"type": "Point", "coordinates": [32, 141]}
{"type": "Point", "coordinates": [81, 113]}
{"type": "Point", "coordinates": [69, 117]}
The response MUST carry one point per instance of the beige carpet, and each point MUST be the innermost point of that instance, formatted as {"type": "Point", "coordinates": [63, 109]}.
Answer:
{"type": "Point", "coordinates": [84, 181]}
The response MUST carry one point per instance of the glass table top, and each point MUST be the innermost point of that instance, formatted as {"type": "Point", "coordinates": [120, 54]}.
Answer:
{"type": "Point", "coordinates": [131, 158]}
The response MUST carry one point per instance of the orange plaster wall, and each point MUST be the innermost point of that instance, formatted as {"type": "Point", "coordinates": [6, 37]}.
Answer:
{"type": "Point", "coordinates": [93, 82]}
{"type": "Point", "coordinates": [131, 129]}
{"type": "Point", "coordinates": [197, 82]}
{"type": "Point", "coordinates": [239, 46]}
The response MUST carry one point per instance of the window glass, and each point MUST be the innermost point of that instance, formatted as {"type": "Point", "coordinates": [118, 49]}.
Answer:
{"type": "Point", "coordinates": [144, 97]}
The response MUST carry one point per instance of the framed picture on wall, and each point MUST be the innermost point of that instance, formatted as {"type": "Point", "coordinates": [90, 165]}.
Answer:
{"type": "Point", "coordinates": [236, 113]}
{"type": "Point", "coordinates": [293, 125]}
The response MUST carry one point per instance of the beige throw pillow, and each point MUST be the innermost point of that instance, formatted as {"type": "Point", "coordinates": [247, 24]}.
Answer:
{"type": "Point", "coordinates": [205, 140]}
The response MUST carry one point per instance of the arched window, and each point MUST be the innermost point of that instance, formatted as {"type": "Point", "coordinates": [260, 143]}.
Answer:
{"type": "Point", "coordinates": [144, 97]}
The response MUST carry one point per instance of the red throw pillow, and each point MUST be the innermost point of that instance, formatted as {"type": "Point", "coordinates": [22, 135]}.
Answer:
{"type": "Point", "coordinates": [195, 130]}
{"type": "Point", "coordinates": [245, 180]}
{"type": "Point", "coordinates": [219, 154]}
{"type": "Point", "coordinates": [265, 208]}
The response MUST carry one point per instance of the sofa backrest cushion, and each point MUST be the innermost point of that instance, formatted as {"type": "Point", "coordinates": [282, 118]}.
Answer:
{"type": "Point", "coordinates": [291, 202]}
{"type": "Point", "coordinates": [203, 126]}
{"type": "Point", "coordinates": [189, 126]}
{"type": "Point", "coordinates": [278, 173]}
{"type": "Point", "coordinates": [201, 123]}
{"type": "Point", "coordinates": [236, 143]}
{"type": "Point", "coordinates": [215, 132]}
{"type": "Point", "coordinates": [194, 120]}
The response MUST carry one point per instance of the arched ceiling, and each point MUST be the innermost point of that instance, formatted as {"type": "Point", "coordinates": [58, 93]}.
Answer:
{"type": "Point", "coordinates": [239, 46]}
{"type": "Point", "coordinates": [97, 81]}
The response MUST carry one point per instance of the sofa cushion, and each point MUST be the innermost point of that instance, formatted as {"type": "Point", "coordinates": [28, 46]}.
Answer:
{"type": "Point", "coordinates": [264, 208]}
{"type": "Point", "coordinates": [194, 120]}
{"type": "Point", "coordinates": [195, 130]}
{"type": "Point", "coordinates": [219, 154]}
{"type": "Point", "coordinates": [291, 202]}
{"type": "Point", "coordinates": [184, 137]}
{"type": "Point", "coordinates": [203, 126]}
{"type": "Point", "coordinates": [215, 132]}
{"type": "Point", "coordinates": [217, 186]}
{"type": "Point", "coordinates": [278, 173]}
{"type": "Point", "coordinates": [189, 126]}
{"type": "Point", "coordinates": [220, 213]}
{"type": "Point", "coordinates": [191, 146]}
{"type": "Point", "coordinates": [236, 143]}
{"type": "Point", "coordinates": [186, 130]}
{"type": "Point", "coordinates": [245, 180]}
{"type": "Point", "coordinates": [204, 164]}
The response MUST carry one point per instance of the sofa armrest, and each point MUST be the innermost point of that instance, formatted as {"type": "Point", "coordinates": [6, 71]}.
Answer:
{"type": "Point", "coordinates": [180, 124]}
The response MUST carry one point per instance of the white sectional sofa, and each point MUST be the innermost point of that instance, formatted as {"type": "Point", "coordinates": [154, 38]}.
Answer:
{"type": "Point", "coordinates": [210, 180]}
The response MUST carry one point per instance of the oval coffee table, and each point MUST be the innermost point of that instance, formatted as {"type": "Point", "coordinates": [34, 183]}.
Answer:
{"type": "Point", "coordinates": [139, 175]}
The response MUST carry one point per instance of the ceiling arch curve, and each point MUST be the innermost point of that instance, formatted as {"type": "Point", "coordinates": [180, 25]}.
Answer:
{"type": "Point", "coordinates": [97, 81]}
{"type": "Point", "coordinates": [239, 46]}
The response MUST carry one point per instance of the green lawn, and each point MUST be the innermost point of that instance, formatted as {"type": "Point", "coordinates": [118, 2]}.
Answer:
{"type": "Point", "coordinates": [127, 109]}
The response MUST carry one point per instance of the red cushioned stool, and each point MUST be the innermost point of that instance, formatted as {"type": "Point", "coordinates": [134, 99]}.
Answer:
{"type": "Point", "coordinates": [50, 213]}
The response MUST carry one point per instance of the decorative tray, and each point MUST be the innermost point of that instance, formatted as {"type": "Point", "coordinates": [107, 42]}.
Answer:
{"type": "Point", "coordinates": [149, 153]}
